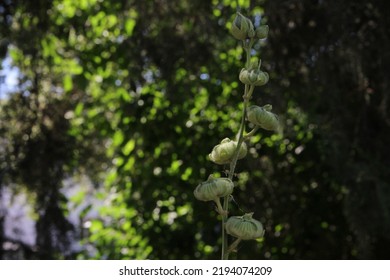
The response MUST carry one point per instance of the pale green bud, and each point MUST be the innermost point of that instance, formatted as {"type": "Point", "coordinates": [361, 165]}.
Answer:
{"type": "Point", "coordinates": [251, 30]}
{"type": "Point", "coordinates": [262, 31]}
{"type": "Point", "coordinates": [244, 227]}
{"type": "Point", "coordinates": [214, 188]}
{"type": "Point", "coordinates": [223, 153]}
{"type": "Point", "coordinates": [262, 78]}
{"type": "Point", "coordinates": [244, 76]}
{"type": "Point", "coordinates": [255, 64]}
{"type": "Point", "coordinates": [263, 117]}
{"type": "Point", "coordinates": [242, 27]}
{"type": "Point", "coordinates": [253, 77]}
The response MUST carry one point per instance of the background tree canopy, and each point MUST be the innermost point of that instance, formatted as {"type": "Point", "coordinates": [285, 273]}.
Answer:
{"type": "Point", "coordinates": [133, 95]}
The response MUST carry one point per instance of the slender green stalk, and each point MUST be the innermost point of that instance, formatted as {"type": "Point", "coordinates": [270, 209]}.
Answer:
{"type": "Point", "coordinates": [252, 132]}
{"type": "Point", "coordinates": [225, 252]}
{"type": "Point", "coordinates": [247, 94]}
{"type": "Point", "coordinates": [234, 245]}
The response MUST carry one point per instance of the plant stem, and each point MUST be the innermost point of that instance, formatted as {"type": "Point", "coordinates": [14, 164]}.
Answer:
{"type": "Point", "coordinates": [240, 140]}
{"type": "Point", "coordinates": [234, 245]}
{"type": "Point", "coordinates": [252, 132]}
{"type": "Point", "coordinates": [247, 45]}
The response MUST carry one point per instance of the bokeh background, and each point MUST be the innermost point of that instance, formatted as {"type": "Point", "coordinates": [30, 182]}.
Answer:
{"type": "Point", "coordinates": [114, 106]}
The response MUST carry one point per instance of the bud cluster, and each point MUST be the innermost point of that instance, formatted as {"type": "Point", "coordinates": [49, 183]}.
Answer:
{"type": "Point", "coordinates": [242, 29]}
{"type": "Point", "coordinates": [254, 77]}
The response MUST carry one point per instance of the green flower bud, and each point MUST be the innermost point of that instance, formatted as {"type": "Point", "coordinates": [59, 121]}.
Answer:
{"type": "Point", "coordinates": [242, 27]}
{"type": "Point", "coordinates": [223, 153]}
{"type": "Point", "coordinates": [251, 30]}
{"type": "Point", "coordinates": [263, 117]}
{"type": "Point", "coordinates": [262, 31]}
{"type": "Point", "coordinates": [255, 64]}
{"type": "Point", "coordinates": [213, 189]}
{"type": "Point", "coordinates": [253, 77]}
{"type": "Point", "coordinates": [244, 227]}
{"type": "Point", "coordinates": [244, 76]}
{"type": "Point", "coordinates": [262, 78]}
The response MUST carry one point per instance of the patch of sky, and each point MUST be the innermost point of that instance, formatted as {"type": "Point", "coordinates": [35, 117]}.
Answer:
{"type": "Point", "coordinates": [204, 76]}
{"type": "Point", "coordinates": [9, 77]}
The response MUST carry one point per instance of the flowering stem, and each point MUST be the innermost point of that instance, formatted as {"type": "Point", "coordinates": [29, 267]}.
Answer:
{"type": "Point", "coordinates": [247, 45]}
{"type": "Point", "coordinates": [247, 95]}
{"type": "Point", "coordinates": [240, 140]}
{"type": "Point", "coordinates": [251, 76]}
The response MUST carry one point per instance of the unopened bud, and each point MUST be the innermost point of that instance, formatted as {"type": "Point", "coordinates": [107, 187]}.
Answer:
{"type": "Point", "coordinates": [263, 117]}
{"type": "Point", "coordinates": [251, 30]}
{"type": "Point", "coordinates": [262, 78]}
{"type": "Point", "coordinates": [223, 153]}
{"type": "Point", "coordinates": [244, 227]}
{"type": "Point", "coordinates": [255, 64]}
{"type": "Point", "coordinates": [262, 31]}
{"type": "Point", "coordinates": [253, 77]}
{"type": "Point", "coordinates": [242, 27]}
{"type": "Point", "coordinates": [213, 189]}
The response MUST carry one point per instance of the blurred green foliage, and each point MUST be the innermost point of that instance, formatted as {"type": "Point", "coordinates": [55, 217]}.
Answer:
{"type": "Point", "coordinates": [134, 94]}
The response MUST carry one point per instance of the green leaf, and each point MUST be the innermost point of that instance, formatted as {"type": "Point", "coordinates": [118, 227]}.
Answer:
{"type": "Point", "coordinates": [118, 138]}
{"type": "Point", "coordinates": [129, 147]}
{"type": "Point", "coordinates": [79, 108]}
{"type": "Point", "coordinates": [68, 83]}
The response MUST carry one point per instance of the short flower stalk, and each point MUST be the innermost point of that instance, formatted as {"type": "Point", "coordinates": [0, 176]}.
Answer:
{"type": "Point", "coordinates": [229, 151]}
